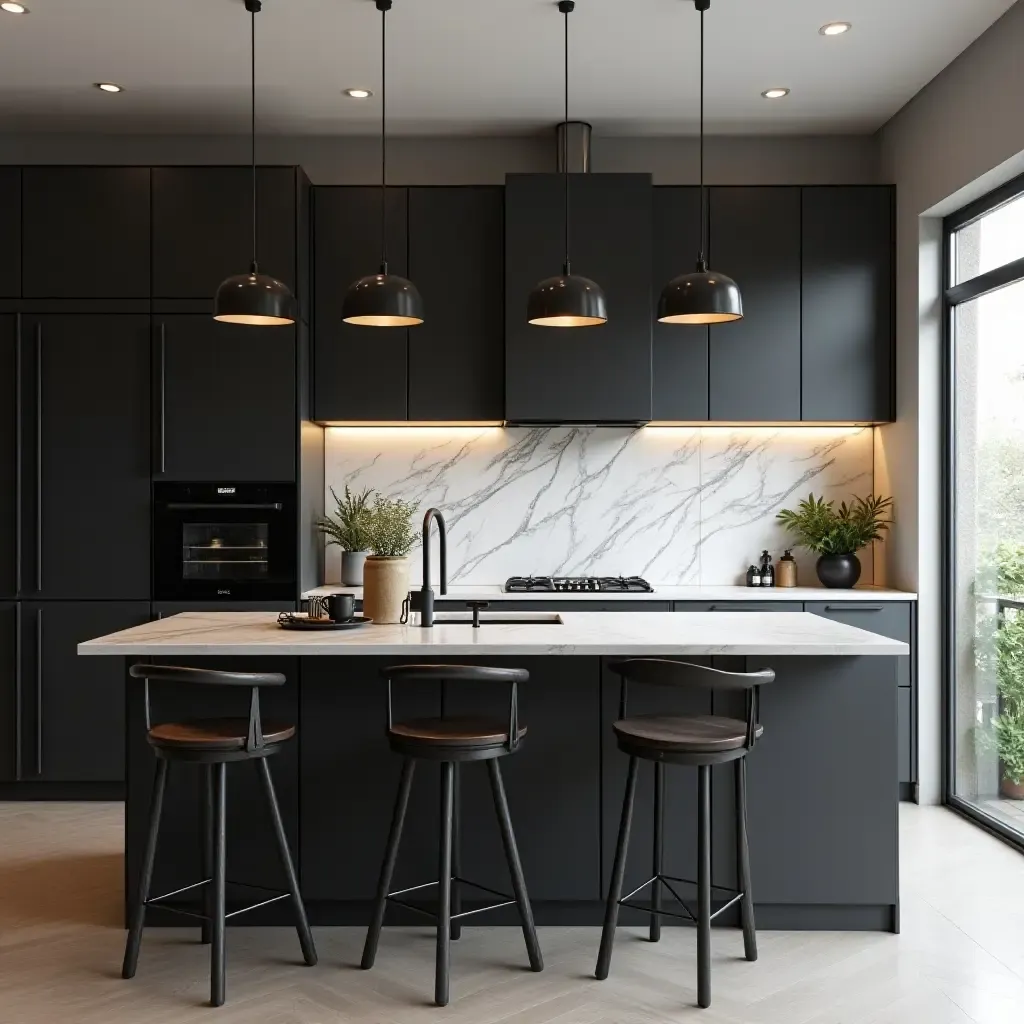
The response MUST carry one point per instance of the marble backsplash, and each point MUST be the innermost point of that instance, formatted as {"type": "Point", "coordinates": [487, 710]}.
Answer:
{"type": "Point", "coordinates": [676, 505]}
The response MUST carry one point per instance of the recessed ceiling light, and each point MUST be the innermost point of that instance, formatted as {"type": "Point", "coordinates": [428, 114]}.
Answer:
{"type": "Point", "coordinates": [775, 94]}
{"type": "Point", "coordinates": [12, 8]}
{"type": "Point", "coordinates": [109, 87]}
{"type": "Point", "coordinates": [358, 94]}
{"type": "Point", "coordinates": [835, 28]}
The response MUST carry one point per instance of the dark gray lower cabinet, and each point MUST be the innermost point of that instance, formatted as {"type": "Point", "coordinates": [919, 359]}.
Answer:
{"type": "Point", "coordinates": [9, 665]}
{"type": "Point", "coordinates": [10, 232]}
{"type": "Point", "coordinates": [72, 707]}
{"type": "Point", "coordinates": [891, 619]}
{"type": "Point", "coordinates": [9, 456]}
{"type": "Point", "coordinates": [350, 778]}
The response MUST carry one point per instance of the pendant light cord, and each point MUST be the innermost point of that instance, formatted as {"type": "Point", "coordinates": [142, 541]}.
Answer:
{"type": "Point", "coordinates": [383, 6]}
{"type": "Point", "coordinates": [702, 263]}
{"type": "Point", "coordinates": [566, 8]}
{"type": "Point", "coordinates": [253, 6]}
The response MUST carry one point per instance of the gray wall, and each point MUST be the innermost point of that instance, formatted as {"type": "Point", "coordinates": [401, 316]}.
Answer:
{"type": "Point", "coordinates": [456, 161]}
{"type": "Point", "coordinates": [962, 135]}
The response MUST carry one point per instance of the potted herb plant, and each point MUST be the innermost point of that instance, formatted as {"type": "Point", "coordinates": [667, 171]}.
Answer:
{"type": "Point", "coordinates": [837, 534]}
{"type": "Point", "coordinates": [386, 572]}
{"type": "Point", "coordinates": [349, 528]}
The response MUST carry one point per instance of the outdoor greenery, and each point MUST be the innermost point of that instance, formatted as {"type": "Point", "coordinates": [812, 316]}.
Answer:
{"type": "Point", "coordinates": [821, 527]}
{"type": "Point", "coordinates": [349, 526]}
{"type": "Point", "coordinates": [391, 531]}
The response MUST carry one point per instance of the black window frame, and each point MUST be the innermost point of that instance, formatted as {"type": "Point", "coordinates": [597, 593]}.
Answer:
{"type": "Point", "coordinates": [954, 295]}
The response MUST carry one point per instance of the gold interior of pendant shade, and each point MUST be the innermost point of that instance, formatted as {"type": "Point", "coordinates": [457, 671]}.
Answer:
{"type": "Point", "coordinates": [383, 320]}
{"type": "Point", "coordinates": [568, 321]}
{"type": "Point", "coordinates": [253, 319]}
{"type": "Point", "coordinates": [700, 318]}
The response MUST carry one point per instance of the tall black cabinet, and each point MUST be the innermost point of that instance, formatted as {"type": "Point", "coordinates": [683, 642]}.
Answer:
{"type": "Point", "coordinates": [10, 232]}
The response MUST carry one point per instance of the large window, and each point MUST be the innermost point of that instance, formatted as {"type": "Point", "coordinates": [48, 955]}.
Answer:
{"type": "Point", "coordinates": [985, 511]}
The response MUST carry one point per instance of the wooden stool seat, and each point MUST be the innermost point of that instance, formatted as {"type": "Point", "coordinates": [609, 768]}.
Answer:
{"type": "Point", "coordinates": [459, 731]}
{"type": "Point", "coordinates": [215, 734]}
{"type": "Point", "coordinates": [698, 734]}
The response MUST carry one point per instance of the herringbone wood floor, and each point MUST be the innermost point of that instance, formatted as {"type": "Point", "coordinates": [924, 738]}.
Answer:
{"type": "Point", "coordinates": [959, 959]}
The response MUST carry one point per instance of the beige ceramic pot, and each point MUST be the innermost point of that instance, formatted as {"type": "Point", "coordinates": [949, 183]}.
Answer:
{"type": "Point", "coordinates": [1010, 790]}
{"type": "Point", "coordinates": [385, 587]}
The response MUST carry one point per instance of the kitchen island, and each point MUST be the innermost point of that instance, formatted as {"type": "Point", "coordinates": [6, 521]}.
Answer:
{"type": "Point", "coordinates": [823, 785]}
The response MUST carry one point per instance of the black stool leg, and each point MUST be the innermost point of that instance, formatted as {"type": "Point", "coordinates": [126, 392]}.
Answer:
{"type": "Point", "coordinates": [659, 849]}
{"type": "Point", "coordinates": [743, 860]}
{"type": "Point", "coordinates": [456, 929]}
{"type": "Point", "coordinates": [301, 923]}
{"type": "Point", "coordinates": [156, 807]}
{"type": "Point", "coordinates": [444, 894]}
{"type": "Point", "coordinates": [611, 914]}
{"type": "Point", "coordinates": [704, 885]}
{"type": "Point", "coordinates": [387, 869]}
{"type": "Point", "coordinates": [206, 839]}
{"type": "Point", "coordinates": [515, 866]}
{"type": "Point", "coordinates": [220, 796]}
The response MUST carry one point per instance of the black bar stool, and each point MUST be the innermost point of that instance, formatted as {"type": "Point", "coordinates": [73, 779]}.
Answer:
{"type": "Point", "coordinates": [213, 743]}
{"type": "Point", "coordinates": [701, 740]}
{"type": "Point", "coordinates": [453, 740]}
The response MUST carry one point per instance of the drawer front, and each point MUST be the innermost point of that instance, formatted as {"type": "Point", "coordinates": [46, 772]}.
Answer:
{"type": "Point", "coordinates": [539, 605]}
{"type": "Point", "coordinates": [755, 606]}
{"type": "Point", "coordinates": [891, 619]}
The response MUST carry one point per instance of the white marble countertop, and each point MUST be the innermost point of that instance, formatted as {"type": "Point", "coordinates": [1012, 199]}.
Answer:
{"type": "Point", "coordinates": [580, 633]}
{"type": "Point", "coordinates": [483, 592]}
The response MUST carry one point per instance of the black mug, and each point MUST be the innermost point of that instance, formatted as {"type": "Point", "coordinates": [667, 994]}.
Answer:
{"type": "Point", "coordinates": [341, 607]}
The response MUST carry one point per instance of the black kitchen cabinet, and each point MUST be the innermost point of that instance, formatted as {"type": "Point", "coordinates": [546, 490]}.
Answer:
{"type": "Point", "coordinates": [359, 373]}
{"type": "Point", "coordinates": [754, 365]}
{"type": "Point", "coordinates": [73, 724]}
{"type": "Point", "coordinates": [680, 351]}
{"type": "Point", "coordinates": [202, 227]}
{"type": "Point", "coordinates": [848, 299]}
{"type": "Point", "coordinates": [86, 460]}
{"type": "Point", "coordinates": [224, 400]}
{"type": "Point", "coordinates": [889, 618]}
{"type": "Point", "coordinates": [10, 441]}
{"type": "Point", "coordinates": [456, 259]}
{"type": "Point", "coordinates": [86, 232]}
{"type": "Point", "coordinates": [10, 232]}
{"type": "Point", "coordinates": [596, 374]}
{"type": "Point", "coordinates": [10, 664]}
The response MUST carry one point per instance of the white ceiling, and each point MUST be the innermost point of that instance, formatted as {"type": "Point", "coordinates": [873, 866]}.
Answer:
{"type": "Point", "coordinates": [481, 66]}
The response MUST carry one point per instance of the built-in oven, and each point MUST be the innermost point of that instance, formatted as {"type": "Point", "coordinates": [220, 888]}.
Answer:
{"type": "Point", "coordinates": [224, 541]}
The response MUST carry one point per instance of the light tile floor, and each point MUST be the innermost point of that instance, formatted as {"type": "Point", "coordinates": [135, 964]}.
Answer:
{"type": "Point", "coordinates": [960, 957]}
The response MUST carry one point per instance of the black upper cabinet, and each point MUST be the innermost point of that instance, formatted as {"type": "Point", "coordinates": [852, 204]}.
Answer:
{"type": "Point", "coordinates": [85, 232]}
{"type": "Point", "coordinates": [9, 456]}
{"type": "Point", "coordinates": [456, 259]}
{"type": "Point", "coordinates": [680, 352]}
{"type": "Point", "coordinates": [848, 320]}
{"type": "Point", "coordinates": [224, 400]}
{"type": "Point", "coordinates": [10, 232]}
{"type": "Point", "coordinates": [202, 227]}
{"type": "Point", "coordinates": [86, 460]}
{"type": "Point", "coordinates": [579, 375]}
{"type": "Point", "coordinates": [359, 373]}
{"type": "Point", "coordinates": [754, 365]}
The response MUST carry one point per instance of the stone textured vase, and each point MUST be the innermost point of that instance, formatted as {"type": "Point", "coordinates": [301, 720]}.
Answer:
{"type": "Point", "coordinates": [840, 572]}
{"type": "Point", "coordinates": [385, 587]}
{"type": "Point", "coordinates": [352, 568]}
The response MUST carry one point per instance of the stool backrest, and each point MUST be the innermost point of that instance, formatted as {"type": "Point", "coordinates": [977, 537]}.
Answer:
{"type": "Point", "coordinates": [188, 676]}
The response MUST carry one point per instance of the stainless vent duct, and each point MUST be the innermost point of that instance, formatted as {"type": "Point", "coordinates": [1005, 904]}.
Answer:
{"type": "Point", "coordinates": [574, 137]}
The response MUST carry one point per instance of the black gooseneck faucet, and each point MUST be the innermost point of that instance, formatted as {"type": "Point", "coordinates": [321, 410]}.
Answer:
{"type": "Point", "coordinates": [426, 594]}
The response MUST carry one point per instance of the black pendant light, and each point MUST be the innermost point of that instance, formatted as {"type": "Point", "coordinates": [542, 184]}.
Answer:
{"type": "Point", "coordinates": [254, 298]}
{"type": "Point", "coordinates": [703, 297]}
{"type": "Point", "coordinates": [383, 299]}
{"type": "Point", "coordinates": [567, 300]}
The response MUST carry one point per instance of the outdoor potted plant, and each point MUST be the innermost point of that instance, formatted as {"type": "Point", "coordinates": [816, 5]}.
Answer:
{"type": "Point", "coordinates": [386, 571]}
{"type": "Point", "coordinates": [1008, 725]}
{"type": "Point", "coordinates": [349, 528]}
{"type": "Point", "coordinates": [837, 534]}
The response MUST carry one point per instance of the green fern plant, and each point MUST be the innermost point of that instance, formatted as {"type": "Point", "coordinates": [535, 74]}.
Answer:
{"type": "Point", "coordinates": [819, 526]}
{"type": "Point", "coordinates": [391, 533]}
{"type": "Point", "coordinates": [349, 526]}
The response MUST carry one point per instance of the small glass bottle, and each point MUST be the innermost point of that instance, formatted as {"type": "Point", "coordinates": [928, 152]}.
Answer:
{"type": "Point", "coordinates": [753, 576]}
{"type": "Point", "coordinates": [767, 570]}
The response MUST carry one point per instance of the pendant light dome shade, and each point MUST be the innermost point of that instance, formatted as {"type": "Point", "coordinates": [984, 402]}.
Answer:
{"type": "Point", "coordinates": [703, 297]}
{"type": "Point", "coordinates": [254, 299]}
{"type": "Point", "coordinates": [382, 300]}
{"type": "Point", "coordinates": [568, 300]}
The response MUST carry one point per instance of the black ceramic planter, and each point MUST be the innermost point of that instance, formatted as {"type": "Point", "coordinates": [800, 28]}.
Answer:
{"type": "Point", "coordinates": [839, 572]}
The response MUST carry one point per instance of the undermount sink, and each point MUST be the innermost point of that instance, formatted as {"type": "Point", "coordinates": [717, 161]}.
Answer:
{"type": "Point", "coordinates": [498, 619]}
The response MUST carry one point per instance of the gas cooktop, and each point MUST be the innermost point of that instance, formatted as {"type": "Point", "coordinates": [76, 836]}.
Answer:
{"type": "Point", "coordinates": [577, 585]}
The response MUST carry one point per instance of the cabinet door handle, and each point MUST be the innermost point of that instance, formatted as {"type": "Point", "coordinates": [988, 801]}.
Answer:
{"type": "Point", "coordinates": [18, 445]}
{"type": "Point", "coordinates": [853, 607]}
{"type": "Point", "coordinates": [18, 710]}
{"type": "Point", "coordinates": [39, 457]}
{"type": "Point", "coordinates": [39, 691]}
{"type": "Point", "coordinates": [161, 391]}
